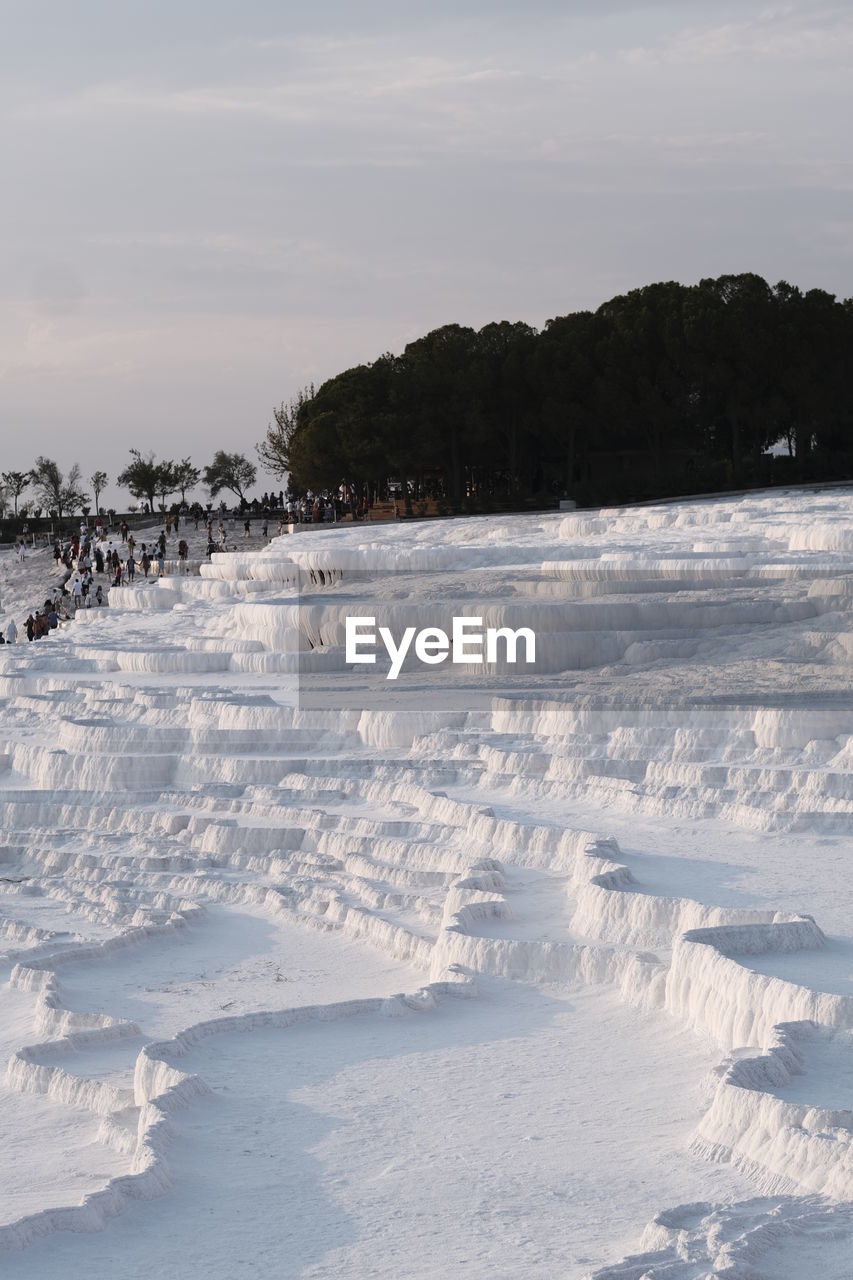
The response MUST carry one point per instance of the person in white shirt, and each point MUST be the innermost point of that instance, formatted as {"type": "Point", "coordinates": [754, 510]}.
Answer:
{"type": "Point", "coordinates": [11, 632]}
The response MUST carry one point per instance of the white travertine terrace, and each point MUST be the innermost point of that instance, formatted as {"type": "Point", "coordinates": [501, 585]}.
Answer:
{"type": "Point", "coordinates": [661, 821]}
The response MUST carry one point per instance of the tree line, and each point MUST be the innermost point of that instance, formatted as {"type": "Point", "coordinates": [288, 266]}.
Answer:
{"type": "Point", "coordinates": [60, 494]}
{"type": "Point", "coordinates": [667, 389]}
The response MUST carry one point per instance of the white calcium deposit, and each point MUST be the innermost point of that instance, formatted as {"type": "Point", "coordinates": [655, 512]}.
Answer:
{"type": "Point", "coordinates": [516, 984]}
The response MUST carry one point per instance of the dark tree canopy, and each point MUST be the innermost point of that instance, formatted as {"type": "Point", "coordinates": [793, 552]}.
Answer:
{"type": "Point", "coordinates": [231, 471]}
{"type": "Point", "coordinates": [59, 494]}
{"type": "Point", "coordinates": [99, 481]}
{"type": "Point", "coordinates": [274, 449]}
{"type": "Point", "coordinates": [185, 476]}
{"type": "Point", "coordinates": [15, 482]}
{"type": "Point", "coordinates": [667, 389]}
{"type": "Point", "coordinates": [145, 477]}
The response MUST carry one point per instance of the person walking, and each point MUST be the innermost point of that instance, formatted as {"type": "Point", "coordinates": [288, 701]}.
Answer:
{"type": "Point", "coordinates": [11, 632]}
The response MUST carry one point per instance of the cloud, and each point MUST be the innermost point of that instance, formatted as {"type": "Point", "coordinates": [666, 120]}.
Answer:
{"type": "Point", "coordinates": [799, 33]}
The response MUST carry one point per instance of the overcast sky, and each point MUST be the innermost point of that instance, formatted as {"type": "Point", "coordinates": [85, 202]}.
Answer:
{"type": "Point", "coordinates": [207, 205]}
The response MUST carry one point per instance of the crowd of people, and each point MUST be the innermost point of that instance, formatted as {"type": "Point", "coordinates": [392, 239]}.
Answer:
{"type": "Point", "coordinates": [93, 558]}
{"type": "Point", "coordinates": [88, 563]}
{"type": "Point", "coordinates": [40, 622]}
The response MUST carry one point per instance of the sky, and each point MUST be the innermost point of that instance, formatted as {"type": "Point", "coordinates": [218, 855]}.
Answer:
{"type": "Point", "coordinates": [207, 206]}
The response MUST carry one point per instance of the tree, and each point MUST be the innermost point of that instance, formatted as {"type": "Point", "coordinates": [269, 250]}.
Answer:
{"type": "Point", "coordinates": [142, 477]}
{"type": "Point", "coordinates": [99, 481]}
{"type": "Point", "coordinates": [565, 378]}
{"type": "Point", "coordinates": [15, 482]}
{"type": "Point", "coordinates": [731, 326]}
{"type": "Point", "coordinates": [166, 481]}
{"type": "Point", "coordinates": [438, 368]}
{"type": "Point", "coordinates": [58, 493]}
{"type": "Point", "coordinates": [274, 449]}
{"type": "Point", "coordinates": [643, 361]}
{"type": "Point", "coordinates": [231, 471]}
{"type": "Point", "coordinates": [185, 476]}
